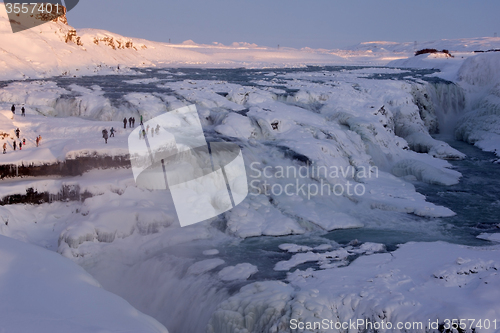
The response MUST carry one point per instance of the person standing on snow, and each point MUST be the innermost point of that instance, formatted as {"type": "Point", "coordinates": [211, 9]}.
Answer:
{"type": "Point", "coordinates": [13, 109]}
{"type": "Point", "coordinates": [37, 140]}
{"type": "Point", "coordinates": [5, 148]}
{"type": "Point", "coordinates": [17, 132]}
{"type": "Point", "coordinates": [124, 122]}
{"type": "Point", "coordinates": [23, 112]}
{"type": "Point", "coordinates": [14, 144]}
{"type": "Point", "coordinates": [112, 131]}
{"type": "Point", "coordinates": [105, 135]}
{"type": "Point", "coordinates": [24, 141]}
{"type": "Point", "coordinates": [133, 121]}
{"type": "Point", "coordinates": [130, 122]}
{"type": "Point", "coordinates": [141, 120]}
{"type": "Point", "coordinates": [20, 146]}
{"type": "Point", "coordinates": [157, 130]}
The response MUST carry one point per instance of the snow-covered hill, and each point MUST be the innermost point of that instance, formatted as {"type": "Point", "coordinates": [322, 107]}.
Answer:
{"type": "Point", "coordinates": [55, 48]}
{"type": "Point", "coordinates": [44, 292]}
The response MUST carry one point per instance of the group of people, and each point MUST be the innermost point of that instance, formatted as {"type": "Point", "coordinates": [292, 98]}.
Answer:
{"type": "Point", "coordinates": [131, 123]}
{"type": "Point", "coordinates": [21, 143]}
{"type": "Point", "coordinates": [17, 132]}
{"type": "Point", "coordinates": [105, 134]}
{"type": "Point", "coordinates": [144, 132]}
{"type": "Point", "coordinates": [23, 110]}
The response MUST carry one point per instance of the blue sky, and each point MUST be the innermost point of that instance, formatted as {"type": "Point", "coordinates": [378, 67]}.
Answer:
{"type": "Point", "coordinates": [295, 23]}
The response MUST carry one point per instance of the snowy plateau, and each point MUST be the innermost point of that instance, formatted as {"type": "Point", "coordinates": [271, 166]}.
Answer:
{"type": "Point", "coordinates": [84, 249]}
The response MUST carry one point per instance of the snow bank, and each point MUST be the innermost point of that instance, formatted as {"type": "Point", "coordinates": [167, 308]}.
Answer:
{"type": "Point", "coordinates": [322, 258]}
{"type": "Point", "coordinates": [62, 139]}
{"type": "Point", "coordinates": [293, 248]}
{"type": "Point", "coordinates": [461, 49]}
{"type": "Point", "coordinates": [128, 215]}
{"type": "Point", "coordinates": [454, 45]}
{"type": "Point", "coordinates": [419, 282]}
{"type": "Point", "coordinates": [490, 237]}
{"type": "Point", "coordinates": [35, 285]}
{"type": "Point", "coordinates": [425, 172]}
{"type": "Point", "coordinates": [480, 124]}
{"type": "Point", "coordinates": [447, 65]}
{"type": "Point", "coordinates": [256, 216]}
{"type": "Point", "coordinates": [481, 127]}
{"type": "Point", "coordinates": [236, 125]}
{"type": "Point", "coordinates": [211, 252]}
{"type": "Point", "coordinates": [329, 259]}
{"type": "Point", "coordinates": [239, 272]}
{"type": "Point", "coordinates": [481, 70]}
{"type": "Point", "coordinates": [424, 143]}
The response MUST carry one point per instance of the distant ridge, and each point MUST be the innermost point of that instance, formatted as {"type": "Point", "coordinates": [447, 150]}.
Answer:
{"type": "Point", "coordinates": [55, 48]}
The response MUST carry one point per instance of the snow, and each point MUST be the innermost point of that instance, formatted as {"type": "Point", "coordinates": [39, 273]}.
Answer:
{"type": "Point", "coordinates": [236, 125]}
{"type": "Point", "coordinates": [257, 217]}
{"type": "Point", "coordinates": [99, 226]}
{"type": "Point", "coordinates": [130, 239]}
{"type": "Point", "coordinates": [423, 143]}
{"type": "Point", "coordinates": [447, 65]}
{"type": "Point", "coordinates": [480, 70]}
{"type": "Point", "coordinates": [419, 282]}
{"type": "Point", "coordinates": [335, 258]}
{"type": "Point", "coordinates": [320, 137]}
{"type": "Point", "coordinates": [453, 45]}
{"type": "Point", "coordinates": [490, 237]}
{"type": "Point", "coordinates": [480, 125]}
{"type": "Point", "coordinates": [211, 252]}
{"type": "Point", "coordinates": [44, 292]}
{"type": "Point", "coordinates": [93, 51]}
{"type": "Point", "coordinates": [239, 272]}
{"type": "Point", "coordinates": [204, 266]}
{"type": "Point", "coordinates": [425, 172]}
{"type": "Point", "coordinates": [370, 248]}
{"type": "Point", "coordinates": [323, 247]}
{"type": "Point", "coordinates": [294, 248]}
{"type": "Point", "coordinates": [349, 128]}
{"type": "Point", "coordinates": [476, 74]}
{"type": "Point", "coordinates": [301, 258]}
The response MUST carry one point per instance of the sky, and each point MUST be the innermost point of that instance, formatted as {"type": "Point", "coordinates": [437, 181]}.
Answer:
{"type": "Point", "coordinates": [325, 24]}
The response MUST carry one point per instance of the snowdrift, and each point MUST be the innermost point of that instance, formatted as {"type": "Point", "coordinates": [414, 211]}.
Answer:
{"type": "Point", "coordinates": [44, 292]}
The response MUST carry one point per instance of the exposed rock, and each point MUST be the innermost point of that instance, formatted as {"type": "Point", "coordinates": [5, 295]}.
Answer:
{"type": "Point", "coordinates": [71, 36]}
{"type": "Point", "coordinates": [116, 43]}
